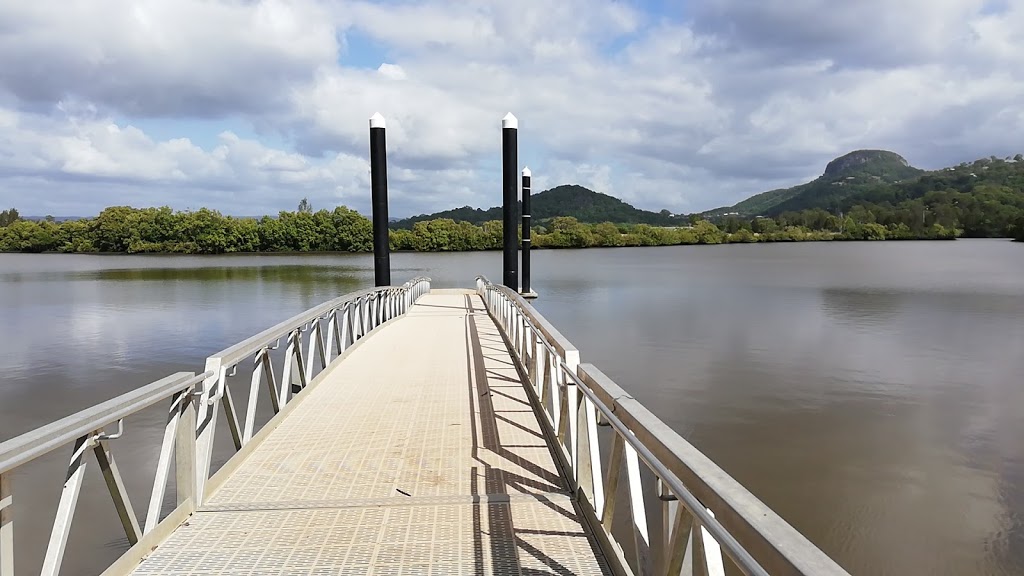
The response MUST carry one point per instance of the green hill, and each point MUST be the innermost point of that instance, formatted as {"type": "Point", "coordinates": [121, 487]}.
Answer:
{"type": "Point", "coordinates": [984, 198]}
{"type": "Point", "coordinates": [757, 204]}
{"type": "Point", "coordinates": [844, 177]}
{"type": "Point", "coordinates": [568, 200]}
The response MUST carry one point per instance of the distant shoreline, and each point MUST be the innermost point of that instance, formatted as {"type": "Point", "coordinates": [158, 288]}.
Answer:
{"type": "Point", "coordinates": [545, 249]}
{"type": "Point", "coordinates": [123, 229]}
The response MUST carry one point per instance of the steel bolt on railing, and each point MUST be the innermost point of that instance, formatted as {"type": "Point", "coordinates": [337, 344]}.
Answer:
{"type": "Point", "coordinates": [707, 517]}
{"type": "Point", "coordinates": [191, 421]}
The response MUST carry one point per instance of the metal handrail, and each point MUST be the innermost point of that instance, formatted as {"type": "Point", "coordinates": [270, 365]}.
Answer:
{"type": "Point", "coordinates": [232, 355]}
{"type": "Point", "coordinates": [191, 425]}
{"type": "Point", "coordinates": [727, 515]}
{"type": "Point", "coordinates": [344, 320]}
{"type": "Point", "coordinates": [43, 440]}
{"type": "Point", "coordinates": [703, 515]}
{"type": "Point", "coordinates": [85, 430]}
{"type": "Point", "coordinates": [236, 353]}
{"type": "Point", "coordinates": [551, 334]}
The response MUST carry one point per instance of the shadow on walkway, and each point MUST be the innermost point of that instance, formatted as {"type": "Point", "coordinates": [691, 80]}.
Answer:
{"type": "Point", "coordinates": [499, 400]}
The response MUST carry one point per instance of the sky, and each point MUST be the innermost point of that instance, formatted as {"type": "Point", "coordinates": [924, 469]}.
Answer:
{"type": "Point", "coordinates": [247, 106]}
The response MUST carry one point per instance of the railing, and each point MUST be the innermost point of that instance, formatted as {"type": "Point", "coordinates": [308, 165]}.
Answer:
{"type": "Point", "coordinates": [86, 430]}
{"type": "Point", "coordinates": [312, 340]}
{"type": "Point", "coordinates": [733, 528]}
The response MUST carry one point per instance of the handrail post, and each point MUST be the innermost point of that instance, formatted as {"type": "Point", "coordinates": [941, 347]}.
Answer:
{"type": "Point", "coordinates": [371, 313]}
{"type": "Point", "coordinates": [572, 362]}
{"type": "Point", "coordinates": [513, 329]}
{"type": "Point", "coordinates": [206, 426]}
{"type": "Point", "coordinates": [367, 306]}
{"type": "Point", "coordinates": [185, 449]}
{"type": "Point", "coordinates": [66, 509]}
{"type": "Point", "coordinates": [531, 368]}
{"type": "Point", "coordinates": [345, 329]}
{"type": "Point", "coordinates": [526, 232]}
{"type": "Point", "coordinates": [595, 479]}
{"type": "Point", "coordinates": [332, 333]}
{"type": "Point", "coordinates": [6, 524]}
{"type": "Point", "coordinates": [638, 512]}
{"type": "Point", "coordinates": [357, 320]}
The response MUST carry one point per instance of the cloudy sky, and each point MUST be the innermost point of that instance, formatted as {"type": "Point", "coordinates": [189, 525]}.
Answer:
{"type": "Point", "coordinates": [247, 106]}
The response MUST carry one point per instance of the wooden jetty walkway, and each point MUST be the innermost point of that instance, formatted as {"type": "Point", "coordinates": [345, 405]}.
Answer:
{"type": "Point", "coordinates": [412, 431]}
{"type": "Point", "coordinates": [419, 454]}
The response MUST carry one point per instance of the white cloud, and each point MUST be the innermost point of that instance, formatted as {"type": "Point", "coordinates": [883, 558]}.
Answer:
{"type": "Point", "coordinates": [72, 155]}
{"type": "Point", "coordinates": [860, 33]}
{"type": "Point", "coordinates": [155, 58]}
{"type": "Point", "coordinates": [392, 71]}
{"type": "Point", "coordinates": [684, 115]}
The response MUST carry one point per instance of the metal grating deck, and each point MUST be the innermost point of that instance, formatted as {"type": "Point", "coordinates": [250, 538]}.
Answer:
{"type": "Point", "coordinates": [418, 454]}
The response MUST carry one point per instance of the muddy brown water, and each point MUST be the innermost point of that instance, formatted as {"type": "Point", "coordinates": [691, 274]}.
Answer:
{"type": "Point", "coordinates": [871, 393]}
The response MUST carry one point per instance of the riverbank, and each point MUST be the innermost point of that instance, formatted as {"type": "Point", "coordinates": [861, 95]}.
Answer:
{"type": "Point", "coordinates": [124, 230]}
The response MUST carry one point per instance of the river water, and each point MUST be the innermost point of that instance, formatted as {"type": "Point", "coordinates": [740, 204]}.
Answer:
{"type": "Point", "coordinates": [871, 393]}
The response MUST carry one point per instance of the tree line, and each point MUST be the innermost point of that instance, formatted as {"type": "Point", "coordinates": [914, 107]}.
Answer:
{"type": "Point", "coordinates": [123, 229]}
{"type": "Point", "coordinates": [162, 230]}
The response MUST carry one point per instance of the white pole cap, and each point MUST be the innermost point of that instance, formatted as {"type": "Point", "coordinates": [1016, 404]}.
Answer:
{"type": "Point", "coordinates": [377, 121]}
{"type": "Point", "coordinates": [526, 172]}
{"type": "Point", "coordinates": [510, 121]}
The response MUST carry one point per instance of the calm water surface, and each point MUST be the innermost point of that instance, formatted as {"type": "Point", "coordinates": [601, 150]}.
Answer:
{"type": "Point", "coordinates": [870, 393]}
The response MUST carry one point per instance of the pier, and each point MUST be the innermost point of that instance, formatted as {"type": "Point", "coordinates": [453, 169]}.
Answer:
{"type": "Point", "coordinates": [415, 431]}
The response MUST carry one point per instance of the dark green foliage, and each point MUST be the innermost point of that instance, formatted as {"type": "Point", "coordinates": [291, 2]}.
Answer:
{"type": "Point", "coordinates": [123, 229]}
{"type": "Point", "coordinates": [204, 231]}
{"type": "Point", "coordinates": [575, 201]}
{"type": "Point", "coordinates": [464, 214]}
{"type": "Point", "coordinates": [981, 199]}
{"type": "Point", "coordinates": [8, 217]}
{"type": "Point", "coordinates": [1018, 229]}
{"type": "Point", "coordinates": [28, 236]}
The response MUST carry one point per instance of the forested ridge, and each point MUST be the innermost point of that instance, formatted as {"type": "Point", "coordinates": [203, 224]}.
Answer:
{"type": "Point", "coordinates": [980, 199]}
{"type": "Point", "coordinates": [844, 176]}
{"type": "Point", "coordinates": [567, 200]}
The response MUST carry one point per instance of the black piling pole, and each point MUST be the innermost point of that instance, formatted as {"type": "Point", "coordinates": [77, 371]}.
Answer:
{"type": "Point", "coordinates": [526, 231]}
{"type": "Point", "coordinates": [509, 173]}
{"type": "Point", "coordinates": [379, 192]}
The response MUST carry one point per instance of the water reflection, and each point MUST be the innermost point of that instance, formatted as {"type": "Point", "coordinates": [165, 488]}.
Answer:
{"type": "Point", "coordinates": [859, 307]}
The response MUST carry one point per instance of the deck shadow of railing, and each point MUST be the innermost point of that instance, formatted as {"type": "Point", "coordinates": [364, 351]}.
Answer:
{"type": "Point", "coordinates": [702, 519]}
{"type": "Point", "coordinates": [500, 531]}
